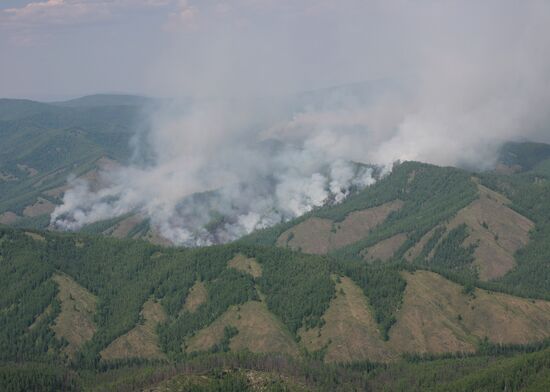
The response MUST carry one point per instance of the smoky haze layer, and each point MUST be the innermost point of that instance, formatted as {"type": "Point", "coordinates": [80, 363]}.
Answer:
{"type": "Point", "coordinates": [218, 179]}
{"type": "Point", "coordinates": [452, 82]}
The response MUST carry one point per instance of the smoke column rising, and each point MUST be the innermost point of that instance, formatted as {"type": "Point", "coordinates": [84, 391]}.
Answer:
{"type": "Point", "coordinates": [455, 81]}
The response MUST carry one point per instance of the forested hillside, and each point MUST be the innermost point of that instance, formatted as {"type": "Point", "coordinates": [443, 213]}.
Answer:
{"type": "Point", "coordinates": [430, 270]}
{"type": "Point", "coordinates": [90, 301]}
{"type": "Point", "coordinates": [43, 144]}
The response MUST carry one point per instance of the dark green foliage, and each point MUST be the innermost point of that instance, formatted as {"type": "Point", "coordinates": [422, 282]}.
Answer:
{"type": "Point", "coordinates": [530, 196]}
{"type": "Point", "coordinates": [430, 245]}
{"type": "Point", "coordinates": [298, 287]}
{"type": "Point", "coordinates": [384, 287]}
{"type": "Point", "coordinates": [58, 140]}
{"type": "Point", "coordinates": [36, 377]}
{"type": "Point", "coordinates": [223, 346]}
{"type": "Point", "coordinates": [456, 372]}
{"type": "Point", "coordinates": [33, 222]}
{"type": "Point", "coordinates": [123, 274]}
{"type": "Point", "coordinates": [431, 195]}
{"type": "Point", "coordinates": [450, 253]}
{"type": "Point", "coordinates": [26, 293]}
{"type": "Point", "coordinates": [230, 288]}
{"type": "Point", "coordinates": [527, 372]}
{"type": "Point", "coordinates": [524, 155]}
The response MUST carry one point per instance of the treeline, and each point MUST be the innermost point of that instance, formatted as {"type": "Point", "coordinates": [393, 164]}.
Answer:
{"type": "Point", "coordinates": [526, 372]}
{"type": "Point", "coordinates": [37, 377]}
{"type": "Point", "coordinates": [530, 196]}
{"type": "Point", "coordinates": [382, 284]}
{"type": "Point", "coordinates": [451, 253]}
{"type": "Point", "coordinates": [26, 293]}
{"type": "Point", "coordinates": [431, 195]}
{"type": "Point", "coordinates": [298, 287]}
{"type": "Point", "coordinates": [230, 288]}
{"type": "Point", "coordinates": [228, 371]}
{"type": "Point", "coordinates": [124, 274]}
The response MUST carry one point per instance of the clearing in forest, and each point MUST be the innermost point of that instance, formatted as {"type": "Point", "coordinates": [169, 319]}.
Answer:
{"type": "Point", "coordinates": [142, 340]}
{"type": "Point", "coordinates": [259, 331]}
{"type": "Point", "coordinates": [247, 265]}
{"type": "Point", "coordinates": [75, 321]}
{"type": "Point", "coordinates": [196, 297]}
{"type": "Point", "coordinates": [320, 236]}
{"type": "Point", "coordinates": [438, 316]}
{"type": "Point", "coordinates": [350, 332]}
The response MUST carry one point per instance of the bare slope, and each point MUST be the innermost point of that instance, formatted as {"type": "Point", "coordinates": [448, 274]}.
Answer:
{"type": "Point", "coordinates": [246, 265]}
{"type": "Point", "coordinates": [142, 340]}
{"type": "Point", "coordinates": [123, 228]}
{"type": "Point", "coordinates": [496, 229]}
{"type": "Point", "coordinates": [75, 322]}
{"type": "Point", "coordinates": [196, 297]}
{"type": "Point", "coordinates": [384, 250]}
{"type": "Point", "coordinates": [319, 236]}
{"type": "Point", "coordinates": [259, 331]}
{"type": "Point", "coordinates": [437, 317]}
{"type": "Point", "coordinates": [350, 332]}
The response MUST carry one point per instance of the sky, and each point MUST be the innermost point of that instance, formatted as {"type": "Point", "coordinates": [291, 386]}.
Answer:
{"type": "Point", "coordinates": [55, 48]}
{"type": "Point", "coordinates": [62, 48]}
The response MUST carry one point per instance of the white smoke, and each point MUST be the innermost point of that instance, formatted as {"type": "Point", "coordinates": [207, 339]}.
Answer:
{"type": "Point", "coordinates": [214, 178]}
{"type": "Point", "coordinates": [458, 79]}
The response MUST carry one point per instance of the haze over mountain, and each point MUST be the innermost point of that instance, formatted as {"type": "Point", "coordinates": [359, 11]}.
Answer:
{"type": "Point", "coordinates": [451, 93]}
{"type": "Point", "coordinates": [297, 196]}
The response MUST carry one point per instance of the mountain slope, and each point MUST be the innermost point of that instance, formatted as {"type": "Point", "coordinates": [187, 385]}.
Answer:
{"type": "Point", "coordinates": [286, 301]}
{"type": "Point", "coordinates": [43, 144]}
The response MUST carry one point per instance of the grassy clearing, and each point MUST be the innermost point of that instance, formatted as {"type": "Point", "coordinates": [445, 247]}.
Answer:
{"type": "Point", "coordinates": [8, 217]}
{"type": "Point", "coordinates": [437, 316]}
{"type": "Point", "coordinates": [126, 225]}
{"type": "Point", "coordinates": [320, 236]}
{"type": "Point", "coordinates": [142, 340]}
{"type": "Point", "coordinates": [40, 207]}
{"type": "Point", "coordinates": [196, 297]}
{"type": "Point", "coordinates": [417, 248]}
{"type": "Point", "coordinates": [35, 236]}
{"type": "Point", "coordinates": [75, 322]}
{"type": "Point", "coordinates": [497, 230]}
{"type": "Point", "coordinates": [246, 265]}
{"type": "Point", "coordinates": [258, 331]}
{"type": "Point", "coordinates": [385, 249]}
{"type": "Point", "coordinates": [350, 332]}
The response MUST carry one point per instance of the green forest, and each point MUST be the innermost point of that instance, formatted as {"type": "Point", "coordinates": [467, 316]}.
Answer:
{"type": "Point", "coordinates": [297, 288]}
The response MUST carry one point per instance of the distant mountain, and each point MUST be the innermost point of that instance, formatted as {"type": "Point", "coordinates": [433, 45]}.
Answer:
{"type": "Point", "coordinates": [15, 109]}
{"type": "Point", "coordinates": [106, 100]}
{"type": "Point", "coordinates": [525, 156]}
{"type": "Point", "coordinates": [42, 144]}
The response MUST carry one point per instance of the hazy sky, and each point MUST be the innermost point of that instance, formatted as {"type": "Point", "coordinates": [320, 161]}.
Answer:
{"type": "Point", "coordinates": [167, 47]}
{"type": "Point", "coordinates": [57, 48]}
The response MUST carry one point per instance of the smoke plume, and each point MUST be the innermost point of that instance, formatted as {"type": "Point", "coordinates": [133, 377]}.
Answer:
{"type": "Point", "coordinates": [452, 82]}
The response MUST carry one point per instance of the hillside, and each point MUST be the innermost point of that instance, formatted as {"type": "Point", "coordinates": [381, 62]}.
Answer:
{"type": "Point", "coordinates": [94, 300]}
{"type": "Point", "coordinates": [480, 230]}
{"type": "Point", "coordinates": [43, 144]}
{"type": "Point", "coordinates": [446, 221]}
{"type": "Point", "coordinates": [428, 268]}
